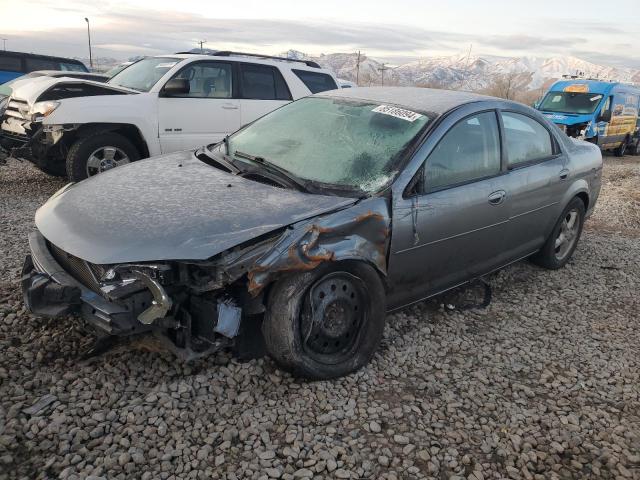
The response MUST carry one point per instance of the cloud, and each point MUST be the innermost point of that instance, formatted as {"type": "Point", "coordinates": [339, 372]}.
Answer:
{"type": "Point", "coordinates": [126, 32]}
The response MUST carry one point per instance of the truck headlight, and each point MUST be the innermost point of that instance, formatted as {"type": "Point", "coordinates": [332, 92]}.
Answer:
{"type": "Point", "coordinates": [42, 109]}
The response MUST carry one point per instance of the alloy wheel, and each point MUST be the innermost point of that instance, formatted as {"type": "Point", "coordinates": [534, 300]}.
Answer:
{"type": "Point", "coordinates": [568, 234]}
{"type": "Point", "coordinates": [106, 158]}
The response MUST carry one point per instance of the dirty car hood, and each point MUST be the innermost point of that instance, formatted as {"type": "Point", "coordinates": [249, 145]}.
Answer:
{"type": "Point", "coordinates": [170, 207]}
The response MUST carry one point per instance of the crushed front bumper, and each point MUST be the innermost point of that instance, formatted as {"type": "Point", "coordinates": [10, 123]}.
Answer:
{"type": "Point", "coordinates": [51, 292]}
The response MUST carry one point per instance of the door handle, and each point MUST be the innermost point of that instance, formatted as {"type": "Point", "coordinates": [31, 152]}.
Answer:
{"type": "Point", "coordinates": [496, 198]}
{"type": "Point", "coordinates": [564, 174]}
{"type": "Point", "coordinates": [230, 107]}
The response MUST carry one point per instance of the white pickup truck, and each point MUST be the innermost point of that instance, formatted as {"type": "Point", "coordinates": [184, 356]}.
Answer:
{"type": "Point", "coordinates": [157, 105]}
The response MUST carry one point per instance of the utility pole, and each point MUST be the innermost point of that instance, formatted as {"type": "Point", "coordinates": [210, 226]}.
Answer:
{"type": "Point", "coordinates": [4, 43]}
{"type": "Point", "coordinates": [202, 42]}
{"type": "Point", "coordinates": [89, 36]}
{"type": "Point", "coordinates": [358, 70]}
{"type": "Point", "coordinates": [383, 69]}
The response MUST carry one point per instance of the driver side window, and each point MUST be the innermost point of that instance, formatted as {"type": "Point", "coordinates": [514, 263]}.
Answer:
{"type": "Point", "coordinates": [470, 150]}
{"type": "Point", "coordinates": [208, 80]}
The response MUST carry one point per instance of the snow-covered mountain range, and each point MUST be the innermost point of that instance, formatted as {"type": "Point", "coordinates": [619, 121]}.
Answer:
{"type": "Point", "coordinates": [467, 72]}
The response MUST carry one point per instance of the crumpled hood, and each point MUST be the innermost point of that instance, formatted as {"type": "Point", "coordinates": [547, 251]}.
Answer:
{"type": "Point", "coordinates": [173, 207]}
{"type": "Point", "coordinates": [567, 118]}
{"type": "Point", "coordinates": [29, 89]}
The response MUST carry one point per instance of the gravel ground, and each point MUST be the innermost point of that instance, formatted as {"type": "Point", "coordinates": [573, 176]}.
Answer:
{"type": "Point", "coordinates": [544, 383]}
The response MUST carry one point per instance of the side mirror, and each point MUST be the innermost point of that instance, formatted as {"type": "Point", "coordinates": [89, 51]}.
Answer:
{"type": "Point", "coordinates": [605, 116]}
{"type": "Point", "coordinates": [176, 86]}
{"type": "Point", "coordinates": [536, 104]}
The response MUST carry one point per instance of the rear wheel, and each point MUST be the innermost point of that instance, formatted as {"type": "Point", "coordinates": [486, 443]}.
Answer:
{"type": "Point", "coordinates": [621, 149]}
{"type": "Point", "coordinates": [97, 153]}
{"type": "Point", "coordinates": [327, 322]}
{"type": "Point", "coordinates": [563, 240]}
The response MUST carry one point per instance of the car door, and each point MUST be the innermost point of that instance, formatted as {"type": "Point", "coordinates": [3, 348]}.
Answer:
{"type": "Point", "coordinates": [262, 90]}
{"type": "Point", "coordinates": [450, 226]}
{"type": "Point", "coordinates": [205, 114]}
{"type": "Point", "coordinates": [535, 183]}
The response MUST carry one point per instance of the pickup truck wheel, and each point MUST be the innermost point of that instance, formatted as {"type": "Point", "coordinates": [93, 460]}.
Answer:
{"type": "Point", "coordinates": [562, 242]}
{"type": "Point", "coordinates": [97, 153]}
{"type": "Point", "coordinates": [327, 322]}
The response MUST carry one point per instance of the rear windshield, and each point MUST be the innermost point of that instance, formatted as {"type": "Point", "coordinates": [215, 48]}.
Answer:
{"type": "Point", "coordinates": [571, 102]}
{"type": "Point", "coordinates": [143, 74]}
{"type": "Point", "coordinates": [315, 81]}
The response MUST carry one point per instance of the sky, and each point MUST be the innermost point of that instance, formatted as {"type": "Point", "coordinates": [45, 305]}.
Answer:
{"type": "Point", "coordinates": [396, 31]}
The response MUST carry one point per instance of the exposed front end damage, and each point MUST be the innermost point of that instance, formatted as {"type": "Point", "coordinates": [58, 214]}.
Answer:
{"type": "Point", "coordinates": [24, 135]}
{"type": "Point", "coordinates": [197, 307]}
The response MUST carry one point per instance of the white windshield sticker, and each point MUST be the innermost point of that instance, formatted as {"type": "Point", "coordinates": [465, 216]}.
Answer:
{"type": "Point", "coordinates": [166, 65]}
{"type": "Point", "coordinates": [597, 97]}
{"type": "Point", "coordinates": [397, 112]}
{"type": "Point", "coordinates": [556, 99]}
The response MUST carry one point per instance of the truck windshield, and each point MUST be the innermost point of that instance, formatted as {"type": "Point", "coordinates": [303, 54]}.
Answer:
{"type": "Point", "coordinates": [144, 74]}
{"type": "Point", "coordinates": [570, 102]}
{"type": "Point", "coordinates": [341, 142]}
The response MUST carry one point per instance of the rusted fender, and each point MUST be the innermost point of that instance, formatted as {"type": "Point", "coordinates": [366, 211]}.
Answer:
{"type": "Point", "coordinates": [360, 232]}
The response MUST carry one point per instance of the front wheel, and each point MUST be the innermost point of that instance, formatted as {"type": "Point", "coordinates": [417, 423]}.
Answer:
{"type": "Point", "coordinates": [327, 322]}
{"type": "Point", "coordinates": [97, 153]}
{"type": "Point", "coordinates": [563, 240]}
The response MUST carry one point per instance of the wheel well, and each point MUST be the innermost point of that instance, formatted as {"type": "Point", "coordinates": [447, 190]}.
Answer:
{"type": "Point", "coordinates": [585, 199]}
{"type": "Point", "coordinates": [131, 132]}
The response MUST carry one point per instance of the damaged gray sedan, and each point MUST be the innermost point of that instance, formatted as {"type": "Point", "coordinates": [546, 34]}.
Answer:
{"type": "Point", "coordinates": [299, 232]}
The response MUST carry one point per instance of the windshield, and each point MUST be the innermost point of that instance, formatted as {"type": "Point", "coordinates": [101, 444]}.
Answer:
{"type": "Point", "coordinates": [117, 69]}
{"type": "Point", "coordinates": [144, 74]}
{"type": "Point", "coordinates": [570, 102]}
{"type": "Point", "coordinates": [342, 142]}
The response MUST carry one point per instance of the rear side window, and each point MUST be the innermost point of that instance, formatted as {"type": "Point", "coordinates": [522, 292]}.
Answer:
{"type": "Point", "coordinates": [262, 82]}
{"type": "Point", "coordinates": [10, 63]}
{"type": "Point", "coordinates": [315, 81]}
{"type": "Point", "coordinates": [469, 151]}
{"type": "Point", "coordinates": [33, 64]}
{"type": "Point", "coordinates": [527, 140]}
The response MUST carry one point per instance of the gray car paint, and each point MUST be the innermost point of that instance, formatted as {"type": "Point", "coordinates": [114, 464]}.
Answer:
{"type": "Point", "coordinates": [169, 208]}
{"type": "Point", "coordinates": [437, 240]}
{"type": "Point", "coordinates": [445, 238]}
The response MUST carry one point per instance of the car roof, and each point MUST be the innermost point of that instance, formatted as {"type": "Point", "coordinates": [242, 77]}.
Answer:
{"type": "Point", "coordinates": [423, 99]}
{"type": "Point", "coordinates": [294, 64]}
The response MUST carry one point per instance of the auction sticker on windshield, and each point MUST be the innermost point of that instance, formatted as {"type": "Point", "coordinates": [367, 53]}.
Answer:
{"type": "Point", "coordinates": [397, 112]}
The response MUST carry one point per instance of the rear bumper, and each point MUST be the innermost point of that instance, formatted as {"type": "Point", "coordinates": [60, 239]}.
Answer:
{"type": "Point", "coordinates": [51, 292]}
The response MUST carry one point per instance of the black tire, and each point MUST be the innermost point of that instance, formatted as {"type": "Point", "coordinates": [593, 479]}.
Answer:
{"type": "Point", "coordinates": [621, 149]}
{"type": "Point", "coordinates": [548, 257]}
{"type": "Point", "coordinates": [82, 149]}
{"type": "Point", "coordinates": [635, 148]}
{"type": "Point", "coordinates": [288, 327]}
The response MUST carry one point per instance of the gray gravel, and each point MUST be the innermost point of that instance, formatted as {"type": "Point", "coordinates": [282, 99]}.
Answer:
{"type": "Point", "coordinates": [544, 383]}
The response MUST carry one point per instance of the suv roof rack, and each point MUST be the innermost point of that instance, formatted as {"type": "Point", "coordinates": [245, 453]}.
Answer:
{"type": "Point", "coordinates": [229, 53]}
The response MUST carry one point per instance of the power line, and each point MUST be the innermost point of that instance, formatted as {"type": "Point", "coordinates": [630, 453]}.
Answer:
{"type": "Point", "coordinates": [383, 69]}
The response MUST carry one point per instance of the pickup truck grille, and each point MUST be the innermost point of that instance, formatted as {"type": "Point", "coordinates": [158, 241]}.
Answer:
{"type": "Point", "coordinates": [86, 273]}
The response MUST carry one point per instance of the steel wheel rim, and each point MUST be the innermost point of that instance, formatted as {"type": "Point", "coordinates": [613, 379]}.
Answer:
{"type": "Point", "coordinates": [334, 311]}
{"type": "Point", "coordinates": [568, 234]}
{"type": "Point", "coordinates": [106, 158]}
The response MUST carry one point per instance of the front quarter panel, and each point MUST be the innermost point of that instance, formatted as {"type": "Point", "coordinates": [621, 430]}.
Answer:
{"type": "Point", "coordinates": [140, 110]}
{"type": "Point", "coordinates": [360, 232]}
